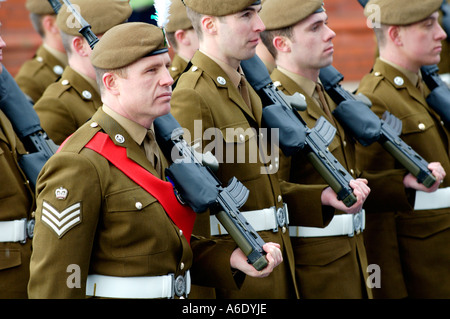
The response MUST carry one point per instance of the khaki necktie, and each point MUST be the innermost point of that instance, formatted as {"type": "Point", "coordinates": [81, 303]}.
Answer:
{"type": "Point", "coordinates": [152, 151]}
{"type": "Point", "coordinates": [243, 89]}
{"type": "Point", "coordinates": [322, 100]}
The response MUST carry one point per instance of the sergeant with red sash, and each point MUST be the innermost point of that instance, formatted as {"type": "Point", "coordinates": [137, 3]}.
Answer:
{"type": "Point", "coordinates": [107, 224]}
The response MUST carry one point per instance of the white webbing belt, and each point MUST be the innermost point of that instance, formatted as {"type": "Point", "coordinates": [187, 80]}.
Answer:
{"type": "Point", "coordinates": [13, 231]}
{"type": "Point", "coordinates": [436, 200]}
{"type": "Point", "coordinates": [138, 287]}
{"type": "Point", "coordinates": [345, 224]}
{"type": "Point", "coordinates": [261, 219]}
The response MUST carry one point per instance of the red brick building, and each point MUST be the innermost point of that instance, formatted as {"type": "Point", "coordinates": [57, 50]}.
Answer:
{"type": "Point", "coordinates": [354, 43]}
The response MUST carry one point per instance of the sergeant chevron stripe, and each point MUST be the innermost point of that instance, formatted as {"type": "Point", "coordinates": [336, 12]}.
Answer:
{"type": "Point", "coordinates": [61, 222]}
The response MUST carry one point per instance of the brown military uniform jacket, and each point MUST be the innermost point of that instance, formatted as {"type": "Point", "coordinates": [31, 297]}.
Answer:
{"type": "Point", "coordinates": [326, 267]}
{"type": "Point", "coordinates": [38, 73]}
{"type": "Point", "coordinates": [411, 247]}
{"type": "Point", "coordinates": [177, 67]}
{"type": "Point", "coordinates": [111, 234]}
{"type": "Point", "coordinates": [205, 93]}
{"type": "Point", "coordinates": [66, 105]}
{"type": "Point", "coordinates": [16, 202]}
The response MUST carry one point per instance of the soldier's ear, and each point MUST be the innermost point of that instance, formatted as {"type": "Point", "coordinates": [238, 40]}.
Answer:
{"type": "Point", "coordinates": [282, 43]}
{"type": "Point", "coordinates": [209, 24]}
{"type": "Point", "coordinates": [110, 84]}
{"type": "Point", "coordinates": [394, 34]}
{"type": "Point", "coordinates": [49, 24]}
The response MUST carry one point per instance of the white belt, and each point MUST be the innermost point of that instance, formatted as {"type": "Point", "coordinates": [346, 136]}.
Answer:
{"type": "Point", "coordinates": [262, 219]}
{"type": "Point", "coordinates": [346, 224]}
{"type": "Point", "coordinates": [138, 287]}
{"type": "Point", "coordinates": [16, 230]}
{"type": "Point", "coordinates": [435, 200]}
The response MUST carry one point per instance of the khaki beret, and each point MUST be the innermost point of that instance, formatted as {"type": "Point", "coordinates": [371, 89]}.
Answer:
{"type": "Point", "coordinates": [402, 12]}
{"type": "Point", "coordinates": [219, 8]}
{"type": "Point", "coordinates": [126, 43]}
{"type": "Point", "coordinates": [100, 14]}
{"type": "Point", "coordinates": [178, 19]}
{"type": "Point", "coordinates": [279, 14]}
{"type": "Point", "coordinates": [39, 7]}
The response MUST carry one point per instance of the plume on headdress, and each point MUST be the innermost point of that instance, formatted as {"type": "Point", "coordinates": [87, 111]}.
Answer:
{"type": "Point", "coordinates": [162, 14]}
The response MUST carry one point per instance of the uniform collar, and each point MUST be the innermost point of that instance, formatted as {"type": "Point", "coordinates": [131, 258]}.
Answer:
{"type": "Point", "coordinates": [307, 85]}
{"type": "Point", "coordinates": [136, 131]}
{"type": "Point", "coordinates": [411, 76]}
{"type": "Point", "coordinates": [233, 75]}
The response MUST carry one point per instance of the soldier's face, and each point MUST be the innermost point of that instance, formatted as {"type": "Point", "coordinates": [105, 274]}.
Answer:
{"type": "Point", "coordinates": [311, 43]}
{"type": "Point", "coordinates": [421, 42]}
{"type": "Point", "coordinates": [146, 91]}
{"type": "Point", "coordinates": [239, 34]}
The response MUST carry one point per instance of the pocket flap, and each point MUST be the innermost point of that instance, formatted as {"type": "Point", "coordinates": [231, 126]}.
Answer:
{"type": "Point", "coordinates": [416, 123]}
{"type": "Point", "coordinates": [322, 252]}
{"type": "Point", "coordinates": [134, 199]}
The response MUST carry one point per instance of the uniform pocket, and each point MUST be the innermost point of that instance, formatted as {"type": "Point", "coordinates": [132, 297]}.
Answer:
{"type": "Point", "coordinates": [319, 252]}
{"type": "Point", "coordinates": [135, 224]}
{"type": "Point", "coordinates": [417, 123]}
{"type": "Point", "coordinates": [240, 147]}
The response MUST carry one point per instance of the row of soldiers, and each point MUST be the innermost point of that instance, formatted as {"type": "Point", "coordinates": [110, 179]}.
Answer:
{"type": "Point", "coordinates": [101, 233]}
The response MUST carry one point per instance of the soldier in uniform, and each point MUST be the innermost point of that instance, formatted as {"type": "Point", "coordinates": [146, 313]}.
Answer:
{"type": "Point", "coordinates": [16, 208]}
{"type": "Point", "coordinates": [100, 229]}
{"type": "Point", "coordinates": [182, 38]}
{"type": "Point", "coordinates": [214, 98]}
{"type": "Point", "coordinates": [70, 102]}
{"type": "Point", "coordinates": [330, 262]}
{"type": "Point", "coordinates": [50, 59]}
{"type": "Point", "coordinates": [409, 246]}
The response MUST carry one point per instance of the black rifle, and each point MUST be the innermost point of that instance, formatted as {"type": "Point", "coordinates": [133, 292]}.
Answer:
{"type": "Point", "coordinates": [85, 29]}
{"type": "Point", "coordinates": [281, 111]}
{"type": "Point", "coordinates": [366, 127]}
{"type": "Point", "coordinates": [194, 183]}
{"type": "Point", "coordinates": [439, 98]}
{"type": "Point", "coordinates": [27, 126]}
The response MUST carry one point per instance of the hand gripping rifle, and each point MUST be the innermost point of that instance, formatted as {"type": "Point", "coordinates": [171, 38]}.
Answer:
{"type": "Point", "coordinates": [356, 116]}
{"type": "Point", "coordinates": [27, 126]}
{"type": "Point", "coordinates": [439, 98]}
{"type": "Point", "coordinates": [194, 182]}
{"type": "Point", "coordinates": [281, 111]}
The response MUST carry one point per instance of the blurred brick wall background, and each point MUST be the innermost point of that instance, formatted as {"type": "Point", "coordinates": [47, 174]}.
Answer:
{"type": "Point", "coordinates": [354, 43]}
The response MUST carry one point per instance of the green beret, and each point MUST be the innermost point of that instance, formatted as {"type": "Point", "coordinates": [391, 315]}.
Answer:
{"type": "Point", "coordinates": [100, 14]}
{"type": "Point", "coordinates": [219, 8]}
{"type": "Point", "coordinates": [39, 7]}
{"type": "Point", "coordinates": [279, 14]}
{"type": "Point", "coordinates": [401, 12]}
{"type": "Point", "coordinates": [126, 43]}
{"type": "Point", "coordinates": [178, 19]}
